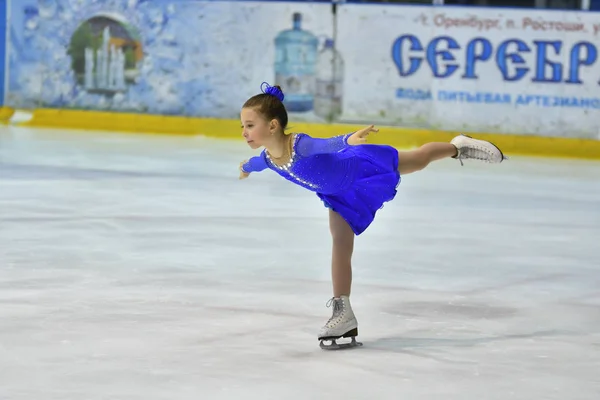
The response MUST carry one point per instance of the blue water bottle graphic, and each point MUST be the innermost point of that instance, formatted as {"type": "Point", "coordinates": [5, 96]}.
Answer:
{"type": "Point", "coordinates": [329, 82]}
{"type": "Point", "coordinates": [295, 59]}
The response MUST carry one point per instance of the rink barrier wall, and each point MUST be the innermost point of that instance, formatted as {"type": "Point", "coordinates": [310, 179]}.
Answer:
{"type": "Point", "coordinates": [399, 137]}
{"type": "Point", "coordinates": [471, 69]}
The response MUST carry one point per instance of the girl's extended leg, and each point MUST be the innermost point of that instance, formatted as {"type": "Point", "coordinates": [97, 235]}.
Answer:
{"type": "Point", "coordinates": [461, 147]}
{"type": "Point", "coordinates": [416, 160]}
{"type": "Point", "coordinates": [341, 258]}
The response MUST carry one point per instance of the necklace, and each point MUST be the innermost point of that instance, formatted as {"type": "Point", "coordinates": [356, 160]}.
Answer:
{"type": "Point", "coordinates": [291, 157]}
{"type": "Point", "coordinates": [286, 156]}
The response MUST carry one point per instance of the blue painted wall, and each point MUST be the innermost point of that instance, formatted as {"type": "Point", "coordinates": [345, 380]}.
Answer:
{"type": "Point", "coordinates": [3, 20]}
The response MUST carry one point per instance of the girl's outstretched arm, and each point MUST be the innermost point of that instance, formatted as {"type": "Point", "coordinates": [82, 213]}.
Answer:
{"type": "Point", "coordinates": [255, 164]}
{"type": "Point", "coordinates": [308, 146]}
{"type": "Point", "coordinates": [360, 137]}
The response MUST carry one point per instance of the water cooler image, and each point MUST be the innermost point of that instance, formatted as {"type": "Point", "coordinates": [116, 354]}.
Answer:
{"type": "Point", "coordinates": [329, 82]}
{"type": "Point", "coordinates": [295, 65]}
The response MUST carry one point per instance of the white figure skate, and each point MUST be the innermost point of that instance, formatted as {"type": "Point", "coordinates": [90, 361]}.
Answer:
{"type": "Point", "coordinates": [469, 148]}
{"type": "Point", "coordinates": [342, 324]}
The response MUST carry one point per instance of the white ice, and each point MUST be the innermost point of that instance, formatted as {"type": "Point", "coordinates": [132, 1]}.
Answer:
{"type": "Point", "coordinates": [140, 267]}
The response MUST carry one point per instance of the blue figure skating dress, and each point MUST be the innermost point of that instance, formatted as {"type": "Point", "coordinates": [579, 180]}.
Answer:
{"type": "Point", "coordinates": [354, 181]}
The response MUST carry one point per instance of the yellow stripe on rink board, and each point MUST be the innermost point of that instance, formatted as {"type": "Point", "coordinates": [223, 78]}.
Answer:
{"type": "Point", "coordinates": [117, 122]}
{"type": "Point", "coordinates": [6, 114]}
{"type": "Point", "coordinates": [230, 129]}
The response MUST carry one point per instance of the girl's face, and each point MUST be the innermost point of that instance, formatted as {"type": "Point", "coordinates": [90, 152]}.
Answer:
{"type": "Point", "coordinates": [256, 129]}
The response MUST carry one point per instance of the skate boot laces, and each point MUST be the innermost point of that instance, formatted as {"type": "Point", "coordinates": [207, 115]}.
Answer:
{"type": "Point", "coordinates": [469, 148]}
{"type": "Point", "coordinates": [474, 151]}
{"type": "Point", "coordinates": [338, 309]}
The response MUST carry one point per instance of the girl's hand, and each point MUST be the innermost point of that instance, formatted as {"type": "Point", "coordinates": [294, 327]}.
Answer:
{"type": "Point", "coordinates": [243, 175]}
{"type": "Point", "coordinates": [360, 137]}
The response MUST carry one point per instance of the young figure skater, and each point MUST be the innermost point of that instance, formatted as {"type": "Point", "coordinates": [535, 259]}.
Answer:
{"type": "Point", "coordinates": [352, 178]}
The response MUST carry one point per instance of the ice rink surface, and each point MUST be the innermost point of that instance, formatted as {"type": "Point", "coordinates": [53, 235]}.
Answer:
{"type": "Point", "coordinates": [140, 267]}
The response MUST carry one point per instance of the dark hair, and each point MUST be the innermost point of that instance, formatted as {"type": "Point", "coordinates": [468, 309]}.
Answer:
{"type": "Point", "coordinates": [269, 104]}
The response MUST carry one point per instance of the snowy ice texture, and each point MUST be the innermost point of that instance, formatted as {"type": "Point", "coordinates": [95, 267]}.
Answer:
{"type": "Point", "coordinates": [189, 66]}
{"type": "Point", "coordinates": [141, 268]}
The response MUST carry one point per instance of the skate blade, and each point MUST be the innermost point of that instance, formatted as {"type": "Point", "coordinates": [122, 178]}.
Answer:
{"type": "Point", "coordinates": [339, 346]}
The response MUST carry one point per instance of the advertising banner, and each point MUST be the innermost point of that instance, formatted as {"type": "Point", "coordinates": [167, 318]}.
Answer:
{"type": "Point", "coordinates": [472, 69]}
{"type": "Point", "coordinates": [193, 58]}
{"type": "Point", "coordinates": [453, 68]}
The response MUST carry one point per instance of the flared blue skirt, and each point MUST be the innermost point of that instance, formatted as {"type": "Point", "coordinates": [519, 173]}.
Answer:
{"type": "Point", "coordinates": [376, 179]}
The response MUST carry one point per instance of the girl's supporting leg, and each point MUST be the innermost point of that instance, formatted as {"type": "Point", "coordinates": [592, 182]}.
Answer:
{"type": "Point", "coordinates": [416, 160]}
{"type": "Point", "coordinates": [341, 258]}
{"type": "Point", "coordinates": [343, 322]}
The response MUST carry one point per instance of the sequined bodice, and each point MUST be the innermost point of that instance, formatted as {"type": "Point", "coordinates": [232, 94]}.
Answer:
{"type": "Point", "coordinates": [288, 170]}
{"type": "Point", "coordinates": [316, 164]}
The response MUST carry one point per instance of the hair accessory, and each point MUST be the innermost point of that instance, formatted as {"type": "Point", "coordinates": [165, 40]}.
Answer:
{"type": "Point", "coordinates": [272, 90]}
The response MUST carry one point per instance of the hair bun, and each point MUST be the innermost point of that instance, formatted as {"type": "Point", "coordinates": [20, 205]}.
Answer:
{"type": "Point", "coordinates": [272, 90]}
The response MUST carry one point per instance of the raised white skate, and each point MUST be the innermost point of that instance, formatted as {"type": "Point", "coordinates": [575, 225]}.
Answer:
{"type": "Point", "coordinates": [469, 148]}
{"type": "Point", "coordinates": [342, 324]}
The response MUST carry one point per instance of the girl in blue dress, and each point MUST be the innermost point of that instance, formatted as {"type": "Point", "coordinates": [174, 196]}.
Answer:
{"type": "Point", "coordinates": [352, 178]}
